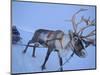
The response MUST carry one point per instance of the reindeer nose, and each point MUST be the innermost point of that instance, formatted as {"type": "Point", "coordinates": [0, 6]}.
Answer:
{"type": "Point", "coordinates": [83, 54]}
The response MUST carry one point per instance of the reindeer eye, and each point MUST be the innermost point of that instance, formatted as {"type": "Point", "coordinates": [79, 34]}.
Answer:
{"type": "Point", "coordinates": [75, 38]}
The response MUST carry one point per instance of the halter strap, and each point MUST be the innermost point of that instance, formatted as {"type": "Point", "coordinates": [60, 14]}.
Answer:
{"type": "Point", "coordinates": [60, 39]}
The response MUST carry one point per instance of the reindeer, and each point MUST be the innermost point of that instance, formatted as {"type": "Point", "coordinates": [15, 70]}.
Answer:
{"type": "Point", "coordinates": [58, 40]}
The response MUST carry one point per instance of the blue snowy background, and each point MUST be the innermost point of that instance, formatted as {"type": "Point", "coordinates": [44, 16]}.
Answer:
{"type": "Point", "coordinates": [28, 17]}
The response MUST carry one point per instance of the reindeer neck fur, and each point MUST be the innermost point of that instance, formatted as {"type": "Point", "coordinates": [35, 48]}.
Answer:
{"type": "Point", "coordinates": [64, 41]}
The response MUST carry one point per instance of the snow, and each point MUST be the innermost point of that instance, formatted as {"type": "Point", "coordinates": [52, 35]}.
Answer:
{"type": "Point", "coordinates": [25, 63]}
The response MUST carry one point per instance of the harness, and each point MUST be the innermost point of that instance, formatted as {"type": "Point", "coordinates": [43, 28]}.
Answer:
{"type": "Point", "coordinates": [49, 34]}
{"type": "Point", "coordinates": [60, 39]}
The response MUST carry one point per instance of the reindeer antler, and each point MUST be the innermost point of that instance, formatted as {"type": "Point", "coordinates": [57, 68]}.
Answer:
{"type": "Point", "coordinates": [82, 29]}
{"type": "Point", "coordinates": [73, 20]}
{"type": "Point", "coordinates": [89, 23]}
{"type": "Point", "coordinates": [92, 33]}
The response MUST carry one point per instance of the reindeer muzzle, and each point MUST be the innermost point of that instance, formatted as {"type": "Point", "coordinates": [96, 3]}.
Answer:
{"type": "Point", "coordinates": [81, 53]}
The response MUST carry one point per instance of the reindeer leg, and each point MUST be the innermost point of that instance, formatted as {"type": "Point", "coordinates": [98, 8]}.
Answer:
{"type": "Point", "coordinates": [27, 46]}
{"type": "Point", "coordinates": [47, 56]}
{"type": "Point", "coordinates": [60, 60]}
{"type": "Point", "coordinates": [33, 55]}
{"type": "Point", "coordinates": [34, 47]}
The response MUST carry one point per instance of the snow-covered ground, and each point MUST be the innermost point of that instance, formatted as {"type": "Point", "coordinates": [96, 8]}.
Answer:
{"type": "Point", "coordinates": [23, 63]}
{"type": "Point", "coordinates": [31, 16]}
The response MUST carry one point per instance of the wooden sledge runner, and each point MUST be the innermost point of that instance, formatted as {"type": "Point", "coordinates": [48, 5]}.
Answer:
{"type": "Point", "coordinates": [29, 45]}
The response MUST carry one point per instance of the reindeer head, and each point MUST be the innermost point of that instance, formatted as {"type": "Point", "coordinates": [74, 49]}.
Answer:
{"type": "Point", "coordinates": [76, 44]}
{"type": "Point", "coordinates": [77, 39]}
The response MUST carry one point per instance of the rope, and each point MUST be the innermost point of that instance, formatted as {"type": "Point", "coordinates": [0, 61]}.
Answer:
{"type": "Point", "coordinates": [66, 60]}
